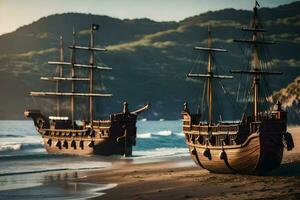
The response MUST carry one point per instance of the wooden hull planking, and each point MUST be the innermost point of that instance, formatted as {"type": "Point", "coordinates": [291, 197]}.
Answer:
{"type": "Point", "coordinates": [260, 152]}
{"type": "Point", "coordinates": [79, 146]}
{"type": "Point", "coordinates": [107, 137]}
{"type": "Point", "coordinates": [239, 159]}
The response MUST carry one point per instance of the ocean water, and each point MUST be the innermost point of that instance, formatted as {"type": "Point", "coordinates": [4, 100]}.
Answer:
{"type": "Point", "coordinates": [25, 166]}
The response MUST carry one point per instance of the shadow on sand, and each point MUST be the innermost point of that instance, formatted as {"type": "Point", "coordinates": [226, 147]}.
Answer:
{"type": "Point", "coordinates": [287, 169]}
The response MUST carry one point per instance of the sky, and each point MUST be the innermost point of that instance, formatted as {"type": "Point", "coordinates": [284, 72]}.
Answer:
{"type": "Point", "coordinates": [16, 13]}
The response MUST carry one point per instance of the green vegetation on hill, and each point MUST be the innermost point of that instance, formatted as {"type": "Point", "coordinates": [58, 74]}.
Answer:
{"type": "Point", "coordinates": [150, 59]}
{"type": "Point", "coordinates": [290, 99]}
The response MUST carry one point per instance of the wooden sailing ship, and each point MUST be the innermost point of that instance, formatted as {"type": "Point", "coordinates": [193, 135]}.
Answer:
{"type": "Point", "coordinates": [253, 145]}
{"type": "Point", "coordinates": [63, 134]}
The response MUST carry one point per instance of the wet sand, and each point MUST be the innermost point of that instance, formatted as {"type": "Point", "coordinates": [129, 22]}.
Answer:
{"type": "Point", "coordinates": [180, 178]}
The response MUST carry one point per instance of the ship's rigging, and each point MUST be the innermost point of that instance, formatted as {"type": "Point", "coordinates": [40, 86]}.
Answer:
{"type": "Point", "coordinates": [73, 77]}
{"type": "Point", "coordinates": [258, 66]}
{"type": "Point", "coordinates": [253, 89]}
{"type": "Point", "coordinates": [210, 75]}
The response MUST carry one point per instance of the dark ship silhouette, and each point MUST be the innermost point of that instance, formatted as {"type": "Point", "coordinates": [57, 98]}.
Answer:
{"type": "Point", "coordinates": [255, 144]}
{"type": "Point", "coordinates": [62, 134]}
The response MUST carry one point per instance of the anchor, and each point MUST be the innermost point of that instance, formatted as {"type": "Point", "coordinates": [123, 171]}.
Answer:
{"type": "Point", "coordinates": [49, 142]}
{"type": "Point", "coordinates": [81, 144]}
{"type": "Point", "coordinates": [194, 152]}
{"type": "Point", "coordinates": [207, 153]}
{"type": "Point", "coordinates": [92, 144]}
{"type": "Point", "coordinates": [223, 155]}
{"type": "Point", "coordinates": [58, 144]}
{"type": "Point", "coordinates": [65, 144]}
{"type": "Point", "coordinates": [73, 144]}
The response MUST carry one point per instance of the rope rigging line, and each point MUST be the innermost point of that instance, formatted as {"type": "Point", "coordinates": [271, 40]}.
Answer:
{"type": "Point", "coordinates": [193, 67]}
{"type": "Point", "coordinates": [205, 82]}
{"type": "Point", "coordinates": [247, 104]}
{"type": "Point", "coordinates": [247, 54]}
{"type": "Point", "coordinates": [244, 52]}
{"type": "Point", "coordinates": [200, 60]}
{"type": "Point", "coordinates": [231, 99]}
{"type": "Point", "coordinates": [216, 69]}
{"type": "Point", "coordinates": [226, 93]}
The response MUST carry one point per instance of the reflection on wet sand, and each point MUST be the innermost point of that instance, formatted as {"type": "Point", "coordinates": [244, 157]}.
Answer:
{"type": "Point", "coordinates": [63, 185]}
{"type": "Point", "coordinates": [289, 167]}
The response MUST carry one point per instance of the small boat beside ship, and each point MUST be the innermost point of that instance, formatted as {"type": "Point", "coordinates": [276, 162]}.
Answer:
{"type": "Point", "coordinates": [253, 145]}
{"type": "Point", "coordinates": [69, 135]}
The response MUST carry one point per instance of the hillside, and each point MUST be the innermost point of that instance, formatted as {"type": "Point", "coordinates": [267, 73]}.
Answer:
{"type": "Point", "coordinates": [149, 59]}
{"type": "Point", "coordinates": [290, 99]}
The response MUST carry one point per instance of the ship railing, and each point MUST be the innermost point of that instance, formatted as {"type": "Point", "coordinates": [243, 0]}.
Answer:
{"type": "Point", "coordinates": [102, 123]}
{"type": "Point", "coordinates": [104, 133]}
{"type": "Point", "coordinates": [254, 127]}
{"type": "Point", "coordinates": [216, 139]}
{"type": "Point", "coordinates": [186, 123]}
{"type": "Point", "coordinates": [217, 128]}
{"type": "Point", "coordinates": [59, 118]}
{"type": "Point", "coordinates": [66, 132]}
{"type": "Point", "coordinates": [263, 116]}
{"type": "Point", "coordinates": [186, 128]}
{"type": "Point", "coordinates": [102, 127]}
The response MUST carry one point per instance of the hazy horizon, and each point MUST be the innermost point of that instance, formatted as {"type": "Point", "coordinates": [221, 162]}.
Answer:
{"type": "Point", "coordinates": [17, 13]}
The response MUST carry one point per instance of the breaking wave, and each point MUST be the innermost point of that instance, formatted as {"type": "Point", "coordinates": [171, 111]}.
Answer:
{"type": "Point", "coordinates": [179, 134]}
{"type": "Point", "coordinates": [10, 147]}
{"type": "Point", "coordinates": [159, 133]}
{"type": "Point", "coordinates": [6, 147]}
{"type": "Point", "coordinates": [144, 135]}
{"type": "Point", "coordinates": [163, 133]}
{"type": "Point", "coordinates": [156, 134]}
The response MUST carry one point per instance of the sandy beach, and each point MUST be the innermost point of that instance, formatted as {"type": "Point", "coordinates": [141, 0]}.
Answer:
{"type": "Point", "coordinates": [180, 178]}
{"type": "Point", "coordinates": [151, 176]}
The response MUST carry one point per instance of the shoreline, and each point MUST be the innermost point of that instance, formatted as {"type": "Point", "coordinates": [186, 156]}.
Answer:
{"type": "Point", "coordinates": [180, 178]}
{"type": "Point", "coordinates": [173, 176]}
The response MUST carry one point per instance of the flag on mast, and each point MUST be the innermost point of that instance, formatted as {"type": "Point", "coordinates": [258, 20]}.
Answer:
{"type": "Point", "coordinates": [256, 3]}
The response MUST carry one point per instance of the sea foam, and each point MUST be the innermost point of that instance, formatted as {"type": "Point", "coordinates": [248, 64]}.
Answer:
{"type": "Point", "coordinates": [6, 147]}
{"type": "Point", "coordinates": [163, 133]}
{"type": "Point", "coordinates": [10, 147]}
{"type": "Point", "coordinates": [144, 135]}
{"type": "Point", "coordinates": [159, 133]}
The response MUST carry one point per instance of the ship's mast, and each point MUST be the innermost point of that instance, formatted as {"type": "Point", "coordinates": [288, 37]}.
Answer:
{"type": "Point", "coordinates": [255, 63]}
{"type": "Point", "coordinates": [92, 60]}
{"type": "Point", "coordinates": [60, 72]}
{"type": "Point", "coordinates": [210, 75]}
{"type": "Point", "coordinates": [209, 79]}
{"type": "Point", "coordinates": [73, 61]}
{"type": "Point", "coordinates": [256, 70]}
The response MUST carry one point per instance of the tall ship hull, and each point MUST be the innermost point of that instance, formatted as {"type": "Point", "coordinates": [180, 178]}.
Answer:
{"type": "Point", "coordinates": [70, 134]}
{"type": "Point", "coordinates": [115, 136]}
{"type": "Point", "coordinates": [244, 148]}
{"type": "Point", "coordinates": [252, 145]}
